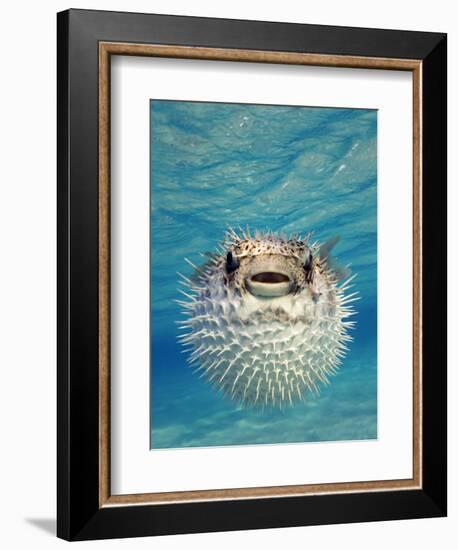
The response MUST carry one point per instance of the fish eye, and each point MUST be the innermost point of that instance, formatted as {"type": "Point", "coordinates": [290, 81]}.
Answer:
{"type": "Point", "coordinates": [232, 262]}
{"type": "Point", "coordinates": [308, 259]}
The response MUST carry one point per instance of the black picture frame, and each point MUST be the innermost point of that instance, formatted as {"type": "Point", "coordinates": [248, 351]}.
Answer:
{"type": "Point", "coordinates": [80, 516]}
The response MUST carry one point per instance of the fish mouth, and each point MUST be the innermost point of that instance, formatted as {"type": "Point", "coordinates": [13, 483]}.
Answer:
{"type": "Point", "coordinates": [270, 277]}
{"type": "Point", "coordinates": [269, 284]}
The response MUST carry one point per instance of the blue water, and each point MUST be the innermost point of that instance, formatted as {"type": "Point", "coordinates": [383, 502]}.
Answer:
{"type": "Point", "coordinates": [291, 169]}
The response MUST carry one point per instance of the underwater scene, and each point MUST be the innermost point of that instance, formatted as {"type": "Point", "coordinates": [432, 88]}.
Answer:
{"type": "Point", "coordinates": [273, 338]}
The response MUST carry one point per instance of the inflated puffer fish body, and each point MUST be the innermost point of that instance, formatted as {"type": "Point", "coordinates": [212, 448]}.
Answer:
{"type": "Point", "coordinates": [267, 318]}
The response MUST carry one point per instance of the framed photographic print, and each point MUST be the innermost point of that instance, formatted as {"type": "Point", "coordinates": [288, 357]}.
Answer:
{"type": "Point", "coordinates": [251, 332]}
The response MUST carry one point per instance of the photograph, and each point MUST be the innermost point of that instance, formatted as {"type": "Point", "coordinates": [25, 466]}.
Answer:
{"type": "Point", "coordinates": [250, 334]}
{"type": "Point", "coordinates": [263, 241]}
{"type": "Point", "coordinates": [229, 254]}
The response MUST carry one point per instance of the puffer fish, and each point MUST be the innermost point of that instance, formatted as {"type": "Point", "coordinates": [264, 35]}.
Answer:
{"type": "Point", "coordinates": [267, 318]}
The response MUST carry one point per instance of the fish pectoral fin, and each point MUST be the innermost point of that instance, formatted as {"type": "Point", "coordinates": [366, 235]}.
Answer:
{"type": "Point", "coordinates": [326, 247]}
{"type": "Point", "coordinates": [340, 271]}
{"type": "Point", "coordinates": [199, 270]}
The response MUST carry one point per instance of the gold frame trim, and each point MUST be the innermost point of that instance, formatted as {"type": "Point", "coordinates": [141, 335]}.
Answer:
{"type": "Point", "coordinates": [106, 50]}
